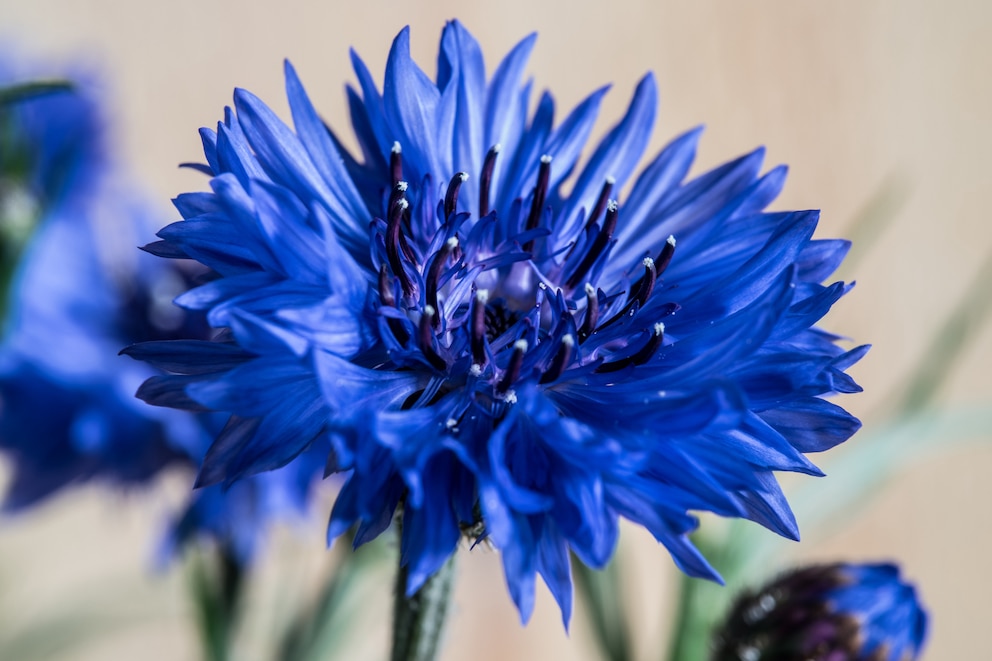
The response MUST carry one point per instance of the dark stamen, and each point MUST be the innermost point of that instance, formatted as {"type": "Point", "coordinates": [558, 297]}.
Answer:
{"type": "Point", "coordinates": [451, 196]}
{"type": "Point", "coordinates": [396, 162]}
{"type": "Point", "coordinates": [665, 258]}
{"type": "Point", "coordinates": [540, 193]}
{"type": "Point", "coordinates": [601, 202]}
{"type": "Point", "coordinates": [387, 298]}
{"type": "Point", "coordinates": [642, 356]}
{"type": "Point", "coordinates": [599, 244]}
{"type": "Point", "coordinates": [479, 328]}
{"type": "Point", "coordinates": [426, 336]}
{"type": "Point", "coordinates": [395, 195]}
{"type": "Point", "coordinates": [393, 246]}
{"type": "Point", "coordinates": [642, 292]}
{"type": "Point", "coordinates": [485, 181]}
{"type": "Point", "coordinates": [646, 286]}
{"type": "Point", "coordinates": [560, 361]}
{"type": "Point", "coordinates": [513, 369]}
{"type": "Point", "coordinates": [597, 210]}
{"type": "Point", "coordinates": [386, 287]}
{"type": "Point", "coordinates": [434, 274]}
{"type": "Point", "coordinates": [592, 313]}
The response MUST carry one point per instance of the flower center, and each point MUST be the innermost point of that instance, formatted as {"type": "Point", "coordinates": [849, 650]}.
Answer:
{"type": "Point", "coordinates": [488, 295]}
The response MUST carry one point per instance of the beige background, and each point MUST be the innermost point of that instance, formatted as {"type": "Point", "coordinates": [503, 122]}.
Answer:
{"type": "Point", "coordinates": [859, 97]}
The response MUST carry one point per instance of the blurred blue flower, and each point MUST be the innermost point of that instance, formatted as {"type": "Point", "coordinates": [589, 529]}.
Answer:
{"type": "Point", "coordinates": [67, 408]}
{"type": "Point", "coordinates": [838, 612]}
{"type": "Point", "coordinates": [489, 354]}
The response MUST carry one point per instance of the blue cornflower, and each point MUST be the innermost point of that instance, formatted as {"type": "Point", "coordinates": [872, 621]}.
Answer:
{"type": "Point", "coordinates": [81, 291]}
{"type": "Point", "coordinates": [487, 353]}
{"type": "Point", "coordinates": [837, 612]}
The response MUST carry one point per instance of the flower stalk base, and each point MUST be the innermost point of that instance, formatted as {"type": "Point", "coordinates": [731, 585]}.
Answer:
{"type": "Point", "coordinates": [418, 620]}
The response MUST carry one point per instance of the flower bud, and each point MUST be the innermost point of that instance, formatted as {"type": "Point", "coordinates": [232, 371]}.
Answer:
{"type": "Point", "coordinates": [836, 612]}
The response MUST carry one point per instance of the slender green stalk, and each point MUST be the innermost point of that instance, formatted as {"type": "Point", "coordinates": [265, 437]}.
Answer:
{"type": "Point", "coordinates": [604, 601]}
{"type": "Point", "coordinates": [418, 620]}
{"type": "Point", "coordinates": [217, 588]}
{"type": "Point", "coordinates": [948, 343]}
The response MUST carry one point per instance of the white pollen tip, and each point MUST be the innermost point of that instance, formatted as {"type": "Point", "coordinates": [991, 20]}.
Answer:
{"type": "Point", "coordinates": [509, 397]}
{"type": "Point", "coordinates": [546, 158]}
{"type": "Point", "coordinates": [612, 205]}
{"type": "Point", "coordinates": [452, 243]}
{"type": "Point", "coordinates": [659, 328]}
{"type": "Point", "coordinates": [463, 176]}
{"type": "Point", "coordinates": [590, 290]}
{"type": "Point", "coordinates": [671, 240]}
{"type": "Point", "coordinates": [497, 148]}
{"type": "Point", "coordinates": [475, 369]}
{"type": "Point", "coordinates": [402, 203]}
{"type": "Point", "coordinates": [450, 423]}
{"type": "Point", "coordinates": [482, 296]}
{"type": "Point", "coordinates": [611, 180]}
{"type": "Point", "coordinates": [397, 149]}
{"type": "Point", "coordinates": [429, 310]}
{"type": "Point", "coordinates": [520, 345]}
{"type": "Point", "coordinates": [568, 341]}
{"type": "Point", "coordinates": [402, 185]}
{"type": "Point", "coordinates": [648, 263]}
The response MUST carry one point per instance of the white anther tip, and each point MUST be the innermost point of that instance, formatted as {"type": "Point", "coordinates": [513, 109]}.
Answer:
{"type": "Point", "coordinates": [648, 263]}
{"type": "Point", "coordinates": [611, 180]}
{"type": "Point", "coordinates": [475, 369]}
{"type": "Point", "coordinates": [463, 176]}
{"type": "Point", "coordinates": [671, 240]}
{"type": "Point", "coordinates": [546, 158]}
{"type": "Point", "coordinates": [482, 295]}
{"type": "Point", "coordinates": [568, 341]}
{"type": "Point", "coordinates": [402, 185]}
{"type": "Point", "coordinates": [450, 423]}
{"type": "Point", "coordinates": [402, 203]}
{"type": "Point", "coordinates": [397, 149]}
{"type": "Point", "coordinates": [659, 328]}
{"type": "Point", "coordinates": [429, 310]}
{"type": "Point", "coordinates": [612, 205]}
{"type": "Point", "coordinates": [520, 345]}
{"type": "Point", "coordinates": [452, 243]}
{"type": "Point", "coordinates": [497, 148]}
{"type": "Point", "coordinates": [590, 290]}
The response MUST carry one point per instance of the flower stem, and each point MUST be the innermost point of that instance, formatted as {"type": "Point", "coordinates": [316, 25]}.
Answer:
{"type": "Point", "coordinates": [418, 620]}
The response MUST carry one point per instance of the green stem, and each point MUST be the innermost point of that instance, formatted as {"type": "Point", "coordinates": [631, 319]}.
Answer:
{"type": "Point", "coordinates": [418, 620]}
{"type": "Point", "coordinates": [218, 583]}
{"type": "Point", "coordinates": [604, 601]}
{"type": "Point", "coordinates": [691, 629]}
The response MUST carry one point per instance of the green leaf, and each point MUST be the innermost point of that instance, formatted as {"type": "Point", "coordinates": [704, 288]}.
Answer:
{"type": "Point", "coordinates": [603, 596]}
{"type": "Point", "coordinates": [22, 91]}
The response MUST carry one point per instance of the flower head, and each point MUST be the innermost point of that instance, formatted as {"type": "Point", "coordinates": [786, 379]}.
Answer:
{"type": "Point", "coordinates": [838, 612]}
{"type": "Point", "coordinates": [487, 352]}
{"type": "Point", "coordinates": [81, 291]}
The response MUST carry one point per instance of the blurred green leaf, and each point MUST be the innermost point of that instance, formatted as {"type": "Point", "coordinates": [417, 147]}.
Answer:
{"type": "Point", "coordinates": [216, 586]}
{"type": "Point", "coordinates": [604, 599]}
{"type": "Point", "coordinates": [873, 219]}
{"type": "Point", "coordinates": [31, 89]}
{"type": "Point", "coordinates": [317, 633]}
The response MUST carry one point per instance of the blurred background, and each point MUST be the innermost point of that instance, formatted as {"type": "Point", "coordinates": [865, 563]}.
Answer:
{"type": "Point", "coordinates": [882, 111]}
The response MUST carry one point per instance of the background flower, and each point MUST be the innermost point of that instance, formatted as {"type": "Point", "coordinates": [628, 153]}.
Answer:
{"type": "Point", "coordinates": [80, 292]}
{"type": "Point", "coordinates": [838, 612]}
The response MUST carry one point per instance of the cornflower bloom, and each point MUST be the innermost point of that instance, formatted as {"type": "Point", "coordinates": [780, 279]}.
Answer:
{"type": "Point", "coordinates": [487, 353]}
